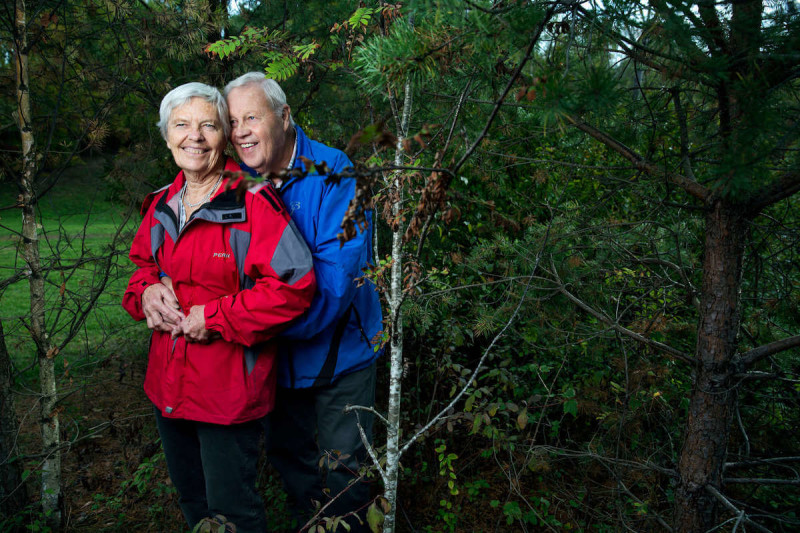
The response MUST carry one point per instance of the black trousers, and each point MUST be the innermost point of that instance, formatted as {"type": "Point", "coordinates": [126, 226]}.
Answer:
{"type": "Point", "coordinates": [314, 445]}
{"type": "Point", "coordinates": [214, 469]}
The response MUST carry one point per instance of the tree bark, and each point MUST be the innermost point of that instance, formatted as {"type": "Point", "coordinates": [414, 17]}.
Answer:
{"type": "Point", "coordinates": [49, 419]}
{"type": "Point", "coordinates": [12, 490]}
{"type": "Point", "coordinates": [393, 443]}
{"type": "Point", "coordinates": [714, 392]}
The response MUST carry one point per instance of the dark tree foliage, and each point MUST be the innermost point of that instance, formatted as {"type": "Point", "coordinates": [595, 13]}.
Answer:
{"type": "Point", "coordinates": [670, 143]}
{"type": "Point", "coordinates": [599, 204]}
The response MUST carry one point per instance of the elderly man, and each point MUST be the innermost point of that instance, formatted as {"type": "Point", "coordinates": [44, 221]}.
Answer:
{"type": "Point", "coordinates": [326, 357]}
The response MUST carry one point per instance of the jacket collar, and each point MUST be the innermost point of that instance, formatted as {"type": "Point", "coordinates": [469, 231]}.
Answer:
{"type": "Point", "coordinates": [224, 207]}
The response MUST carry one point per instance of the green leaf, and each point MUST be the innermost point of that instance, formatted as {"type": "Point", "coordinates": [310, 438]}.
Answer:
{"type": "Point", "coordinates": [571, 407]}
{"type": "Point", "coordinates": [280, 66]}
{"type": "Point", "coordinates": [469, 402]}
{"type": "Point", "coordinates": [522, 419]}
{"type": "Point", "coordinates": [375, 518]}
{"type": "Point", "coordinates": [361, 17]}
{"type": "Point", "coordinates": [304, 51]}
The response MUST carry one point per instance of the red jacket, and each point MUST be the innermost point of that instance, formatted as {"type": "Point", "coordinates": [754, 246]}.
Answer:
{"type": "Point", "coordinates": [241, 257]}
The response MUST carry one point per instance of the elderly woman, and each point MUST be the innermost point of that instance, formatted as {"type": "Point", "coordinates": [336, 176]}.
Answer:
{"type": "Point", "coordinates": [240, 271]}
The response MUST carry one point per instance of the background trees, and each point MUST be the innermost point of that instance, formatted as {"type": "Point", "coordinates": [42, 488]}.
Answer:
{"type": "Point", "coordinates": [693, 99]}
{"type": "Point", "coordinates": [599, 214]}
{"type": "Point", "coordinates": [711, 97]}
{"type": "Point", "coordinates": [70, 69]}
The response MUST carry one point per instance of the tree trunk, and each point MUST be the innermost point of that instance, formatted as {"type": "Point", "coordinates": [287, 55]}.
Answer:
{"type": "Point", "coordinates": [12, 490]}
{"type": "Point", "coordinates": [49, 419]}
{"type": "Point", "coordinates": [393, 452]}
{"type": "Point", "coordinates": [714, 394]}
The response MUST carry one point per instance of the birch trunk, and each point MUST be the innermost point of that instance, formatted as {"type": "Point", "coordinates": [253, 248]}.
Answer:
{"type": "Point", "coordinates": [51, 465]}
{"type": "Point", "coordinates": [396, 319]}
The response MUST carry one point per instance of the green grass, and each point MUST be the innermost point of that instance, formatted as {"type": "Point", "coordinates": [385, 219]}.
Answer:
{"type": "Point", "coordinates": [78, 220]}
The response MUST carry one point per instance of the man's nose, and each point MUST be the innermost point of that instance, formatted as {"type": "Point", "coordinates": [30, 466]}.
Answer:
{"type": "Point", "coordinates": [239, 130]}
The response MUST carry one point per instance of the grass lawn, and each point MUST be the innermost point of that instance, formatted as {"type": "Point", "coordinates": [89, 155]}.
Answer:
{"type": "Point", "coordinates": [78, 222]}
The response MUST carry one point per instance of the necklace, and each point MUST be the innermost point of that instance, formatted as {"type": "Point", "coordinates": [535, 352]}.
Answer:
{"type": "Point", "coordinates": [205, 198]}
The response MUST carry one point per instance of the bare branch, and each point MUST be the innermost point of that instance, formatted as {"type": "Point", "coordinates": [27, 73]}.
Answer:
{"type": "Point", "coordinates": [321, 511]}
{"type": "Point", "coordinates": [365, 439]}
{"type": "Point", "coordinates": [730, 506]}
{"type": "Point", "coordinates": [784, 187]}
{"type": "Point", "coordinates": [576, 454]}
{"type": "Point", "coordinates": [616, 327]}
{"type": "Point", "coordinates": [478, 368]}
{"type": "Point", "coordinates": [354, 408]}
{"type": "Point", "coordinates": [752, 376]}
{"type": "Point", "coordinates": [631, 495]}
{"type": "Point", "coordinates": [517, 71]}
{"type": "Point", "coordinates": [677, 268]}
{"type": "Point", "coordinates": [681, 115]}
{"type": "Point", "coordinates": [749, 358]}
{"type": "Point", "coordinates": [456, 115]}
{"type": "Point", "coordinates": [473, 285]}
{"type": "Point", "coordinates": [763, 481]}
{"type": "Point", "coordinates": [761, 462]}
{"type": "Point", "coordinates": [640, 163]}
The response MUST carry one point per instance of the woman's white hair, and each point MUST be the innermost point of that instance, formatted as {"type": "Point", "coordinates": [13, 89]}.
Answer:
{"type": "Point", "coordinates": [182, 94]}
{"type": "Point", "coordinates": [275, 95]}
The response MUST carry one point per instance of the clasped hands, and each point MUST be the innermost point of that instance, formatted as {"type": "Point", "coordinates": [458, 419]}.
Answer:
{"type": "Point", "coordinates": [162, 311]}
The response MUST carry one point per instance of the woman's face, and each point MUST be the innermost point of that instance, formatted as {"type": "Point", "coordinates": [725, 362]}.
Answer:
{"type": "Point", "coordinates": [196, 138]}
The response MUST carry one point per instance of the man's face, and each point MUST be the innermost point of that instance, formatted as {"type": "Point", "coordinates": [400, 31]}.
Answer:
{"type": "Point", "coordinates": [259, 134]}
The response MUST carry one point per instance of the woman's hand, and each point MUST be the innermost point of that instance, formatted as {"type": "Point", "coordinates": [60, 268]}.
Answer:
{"type": "Point", "coordinates": [193, 327]}
{"type": "Point", "coordinates": [161, 308]}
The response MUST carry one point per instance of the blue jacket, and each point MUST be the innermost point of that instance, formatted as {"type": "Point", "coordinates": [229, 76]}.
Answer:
{"type": "Point", "coordinates": [336, 334]}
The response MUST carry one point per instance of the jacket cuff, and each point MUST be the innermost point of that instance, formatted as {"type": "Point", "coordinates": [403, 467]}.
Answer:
{"type": "Point", "coordinates": [213, 316]}
{"type": "Point", "coordinates": [132, 299]}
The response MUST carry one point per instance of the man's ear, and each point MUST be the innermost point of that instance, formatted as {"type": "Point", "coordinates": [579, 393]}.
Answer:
{"type": "Point", "coordinates": [285, 114]}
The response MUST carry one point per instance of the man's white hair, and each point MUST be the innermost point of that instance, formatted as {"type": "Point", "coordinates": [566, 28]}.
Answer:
{"type": "Point", "coordinates": [275, 95]}
{"type": "Point", "coordinates": [182, 94]}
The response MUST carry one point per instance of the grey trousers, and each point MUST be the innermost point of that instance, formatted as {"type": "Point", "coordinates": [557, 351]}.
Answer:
{"type": "Point", "coordinates": [214, 469]}
{"type": "Point", "coordinates": [314, 445]}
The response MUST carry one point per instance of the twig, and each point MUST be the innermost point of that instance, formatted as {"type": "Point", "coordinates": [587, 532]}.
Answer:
{"type": "Point", "coordinates": [616, 327]}
{"type": "Point", "coordinates": [487, 351]}
{"type": "Point", "coordinates": [423, 233]}
{"type": "Point", "coordinates": [687, 163]}
{"type": "Point", "coordinates": [692, 187]}
{"type": "Point", "coordinates": [761, 462]}
{"type": "Point", "coordinates": [762, 481]}
{"type": "Point", "coordinates": [743, 430]}
{"type": "Point", "coordinates": [731, 507]}
{"type": "Point", "coordinates": [499, 102]}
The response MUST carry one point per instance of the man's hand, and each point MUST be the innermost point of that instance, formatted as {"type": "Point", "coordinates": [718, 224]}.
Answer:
{"type": "Point", "coordinates": [193, 327]}
{"type": "Point", "coordinates": [161, 308]}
